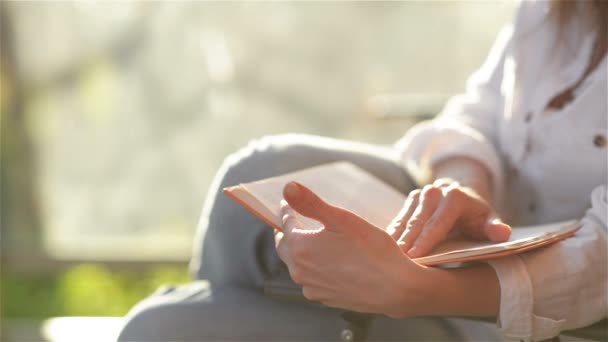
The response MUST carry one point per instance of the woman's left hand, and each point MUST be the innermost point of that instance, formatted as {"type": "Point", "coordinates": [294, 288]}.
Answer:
{"type": "Point", "coordinates": [348, 263]}
{"type": "Point", "coordinates": [431, 214]}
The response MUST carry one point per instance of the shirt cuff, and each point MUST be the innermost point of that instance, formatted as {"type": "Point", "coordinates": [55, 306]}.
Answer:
{"type": "Point", "coordinates": [516, 319]}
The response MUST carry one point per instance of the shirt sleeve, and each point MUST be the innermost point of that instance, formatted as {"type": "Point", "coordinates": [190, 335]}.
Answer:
{"type": "Point", "coordinates": [560, 287]}
{"type": "Point", "coordinates": [467, 127]}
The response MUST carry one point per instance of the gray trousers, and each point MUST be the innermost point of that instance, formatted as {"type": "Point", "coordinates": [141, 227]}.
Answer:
{"type": "Point", "coordinates": [234, 253]}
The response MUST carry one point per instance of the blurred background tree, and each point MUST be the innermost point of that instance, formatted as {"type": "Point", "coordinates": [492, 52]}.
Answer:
{"type": "Point", "coordinates": [19, 200]}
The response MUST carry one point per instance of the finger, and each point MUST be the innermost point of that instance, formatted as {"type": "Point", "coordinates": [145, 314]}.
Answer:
{"type": "Point", "coordinates": [496, 231]}
{"type": "Point", "coordinates": [289, 219]}
{"type": "Point", "coordinates": [397, 226]}
{"type": "Point", "coordinates": [307, 203]}
{"type": "Point", "coordinates": [278, 236]}
{"type": "Point", "coordinates": [281, 247]}
{"type": "Point", "coordinates": [445, 182]}
{"type": "Point", "coordinates": [436, 228]}
{"type": "Point", "coordinates": [315, 293]}
{"type": "Point", "coordinates": [428, 202]}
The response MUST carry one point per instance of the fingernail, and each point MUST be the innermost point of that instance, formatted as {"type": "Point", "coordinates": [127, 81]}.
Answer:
{"type": "Point", "coordinates": [495, 221]}
{"type": "Point", "coordinates": [413, 252]}
{"type": "Point", "coordinates": [292, 189]}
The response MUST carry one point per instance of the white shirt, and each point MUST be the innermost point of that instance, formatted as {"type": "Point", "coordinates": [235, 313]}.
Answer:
{"type": "Point", "coordinates": [545, 167]}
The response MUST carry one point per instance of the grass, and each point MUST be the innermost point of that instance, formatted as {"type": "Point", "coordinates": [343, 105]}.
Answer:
{"type": "Point", "coordinates": [83, 290]}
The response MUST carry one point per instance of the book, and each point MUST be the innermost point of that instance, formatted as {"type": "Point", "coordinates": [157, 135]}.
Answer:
{"type": "Point", "coordinates": [345, 185]}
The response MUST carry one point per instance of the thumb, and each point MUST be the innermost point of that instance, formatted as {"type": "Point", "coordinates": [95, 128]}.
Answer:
{"type": "Point", "coordinates": [496, 231]}
{"type": "Point", "coordinates": [309, 204]}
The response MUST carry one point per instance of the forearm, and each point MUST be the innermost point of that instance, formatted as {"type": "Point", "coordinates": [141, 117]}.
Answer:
{"type": "Point", "coordinates": [472, 291]}
{"type": "Point", "coordinates": [468, 172]}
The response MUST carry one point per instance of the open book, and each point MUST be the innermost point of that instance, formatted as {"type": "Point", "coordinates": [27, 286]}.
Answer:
{"type": "Point", "coordinates": [346, 185]}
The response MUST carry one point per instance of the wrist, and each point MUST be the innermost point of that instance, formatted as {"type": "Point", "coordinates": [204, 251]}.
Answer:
{"type": "Point", "coordinates": [417, 289]}
{"type": "Point", "coordinates": [430, 289]}
{"type": "Point", "coordinates": [465, 291]}
{"type": "Point", "coordinates": [470, 291]}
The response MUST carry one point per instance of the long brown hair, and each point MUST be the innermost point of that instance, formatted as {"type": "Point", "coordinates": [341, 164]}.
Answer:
{"type": "Point", "coordinates": [595, 12]}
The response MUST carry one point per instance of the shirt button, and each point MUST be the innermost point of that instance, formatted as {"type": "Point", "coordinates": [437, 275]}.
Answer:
{"type": "Point", "coordinates": [532, 207]}
{"type": "Point", "coordinates": [528, 117]}
{"type": "Point", "coordinates": [347, 335]}
{"type": "Point", "coordinates": [599, 140]}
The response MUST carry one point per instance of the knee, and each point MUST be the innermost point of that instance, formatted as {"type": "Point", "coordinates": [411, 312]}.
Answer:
{"type": "Point", "coordinates": [266, 156]}
{"type": "Point", "coordinates": [147, 322]}
{"type": "Point", "coordinates": [267, 146]}
{"type": "Point", "coordinates": [155, 321]}
{"type": "Point", "coordinates": [165, 316]}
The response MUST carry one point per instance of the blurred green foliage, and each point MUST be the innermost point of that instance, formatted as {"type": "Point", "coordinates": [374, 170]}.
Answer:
{"type": "Point", "coordinates": [83, 290]}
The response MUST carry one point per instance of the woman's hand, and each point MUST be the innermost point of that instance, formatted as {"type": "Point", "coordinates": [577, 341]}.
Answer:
{"type": "Point", "coordinates": [430, 214]}
{"type": "Point", "coordinates": [348, 263]}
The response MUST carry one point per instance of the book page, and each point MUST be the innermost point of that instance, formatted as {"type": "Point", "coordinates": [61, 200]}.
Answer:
{"type": "Point", "coordinates": [341, 184]}
{"type": "Point", "coordinates": [521, 237]}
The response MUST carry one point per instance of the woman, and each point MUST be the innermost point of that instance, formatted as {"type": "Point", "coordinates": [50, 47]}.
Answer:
{"type": "Point", "coordinates": [526, 144]}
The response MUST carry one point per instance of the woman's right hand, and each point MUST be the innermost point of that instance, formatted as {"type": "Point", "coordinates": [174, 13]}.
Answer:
{"type": "Point", "coordinates": [431, 213]}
